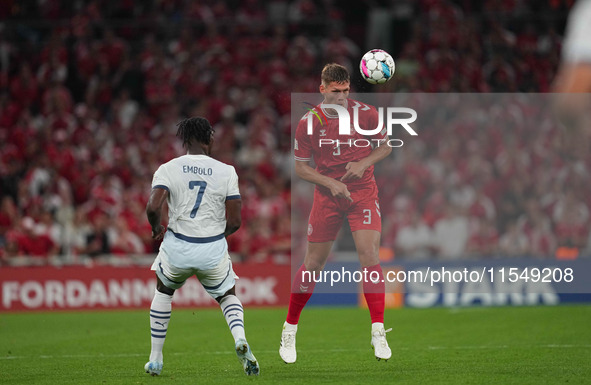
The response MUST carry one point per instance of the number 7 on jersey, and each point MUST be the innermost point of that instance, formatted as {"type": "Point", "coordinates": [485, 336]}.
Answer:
{"type": "Point", "coordinates": [202, 185]}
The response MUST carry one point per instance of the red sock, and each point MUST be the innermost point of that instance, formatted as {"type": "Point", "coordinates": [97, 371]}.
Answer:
{"type": "Point", "coordinates": [374, 292]}
{"type": "Point", "coordinates": [301, 291]}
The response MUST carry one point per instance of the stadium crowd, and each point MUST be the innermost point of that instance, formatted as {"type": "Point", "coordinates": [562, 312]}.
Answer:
{"type": "Point", "coordinates": [90, 93]}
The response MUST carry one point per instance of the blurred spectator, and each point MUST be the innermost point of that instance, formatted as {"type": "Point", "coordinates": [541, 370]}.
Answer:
{"type": "Point", "coordinates": [87, 111]}
{"type": "Point", "coordinates": [537, 226]}
{"type": "Point", "coordinates": [8, 217]}
{"type": "Point", "coordinates": [484, 238]}
{"type": "Point", "coordinates": [24, 88]}
{"type": "Point", "coordinates": [541, 239]}
{"type": "Point", "coordinates": [35, 243]}
{"type": "Point", "coordinates": [513, 243]}
{"type": "Point", "coordinates": [48, 226]}
{"type": "Point", "coordinates": [76, 236]}
{"type": "Point", "coordinates": [280, 248]}
{"type": "Point", "coordinates": [97, 240]}
{"type": "Point", "coordinates": [482, 206]}
{"type": "Point", "coordinates": [125, 108]}
{"type": "Point", "coordinates": [571, 216]}
{"type": "Point", "coordinates": [451, 234]}
{"type": "Point", "coordinates": [414, 240]}
{"type": "Point", "coordinates": [125, 241]}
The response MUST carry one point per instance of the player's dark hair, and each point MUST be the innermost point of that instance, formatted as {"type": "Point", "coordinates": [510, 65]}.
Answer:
{"type": "Point", "coordinates": [197, 128]}
{"type": "Point", "coordinates": [334, 72]}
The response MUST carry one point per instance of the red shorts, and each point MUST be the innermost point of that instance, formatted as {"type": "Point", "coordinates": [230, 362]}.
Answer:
{"type": "Point", "coordinates": [328, 213]}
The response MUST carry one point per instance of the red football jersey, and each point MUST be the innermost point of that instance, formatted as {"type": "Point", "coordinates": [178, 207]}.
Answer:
{"type": "Point", "coordinates": [330, 150]}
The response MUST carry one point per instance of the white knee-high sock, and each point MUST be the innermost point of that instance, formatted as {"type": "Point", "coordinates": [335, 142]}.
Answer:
{"type": "Point", "coordinates": [160, 311]}
{"type": "Point", "coordinates": [234, 315]}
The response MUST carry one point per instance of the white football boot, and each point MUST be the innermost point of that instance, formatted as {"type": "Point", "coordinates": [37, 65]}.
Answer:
{"type": "Point", "coordinates": [379, 343]}
{"type": "Point", "coordinates": [154, 368]}
{"type": "Point", "coordinates": [287, 348]}
{"type": "Point", "coordinates": [247, 359]}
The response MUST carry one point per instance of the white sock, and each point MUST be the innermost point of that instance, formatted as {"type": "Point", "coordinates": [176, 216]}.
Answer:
{"type": "Point", "coordinates": [160, 311]}
{"type": "Point", "coordinates": [288, 326]}
{"type": "Point", "coordinates": [376, 326]}
{"type": "Point", "coordinates": [234, 315]}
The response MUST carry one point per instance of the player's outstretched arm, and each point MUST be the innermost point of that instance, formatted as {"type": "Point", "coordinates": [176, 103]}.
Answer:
{"type": "Point", "coordinates": [338, 189]}
{"type": "Point", "coordinates": [573, 78]}
{"type": "Point", "coordinates": [355, 170]}
{"type": "Point", "coordinates": [233, 216]}
{"type": "Point", "coordinates": [154, 211]}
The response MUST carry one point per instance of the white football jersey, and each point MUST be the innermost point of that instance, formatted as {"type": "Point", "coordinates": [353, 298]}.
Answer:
{"type": "Point", "coordinates": [577, 44]}
{"type": "Point", "coordinates": [198, 187]}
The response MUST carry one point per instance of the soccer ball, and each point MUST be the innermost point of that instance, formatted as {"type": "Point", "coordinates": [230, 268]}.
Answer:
{"type": "Point", "coordinates": [377, 66]}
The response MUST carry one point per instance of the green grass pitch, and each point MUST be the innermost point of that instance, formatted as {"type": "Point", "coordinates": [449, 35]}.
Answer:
{"type": "Point", "coordinates": [504, 345]}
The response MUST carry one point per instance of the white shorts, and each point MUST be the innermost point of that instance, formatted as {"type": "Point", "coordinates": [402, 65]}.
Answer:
{"type": "Point", "coordinates": [186, 254]}
{"type": "Point", "coordinates": [216, 281]}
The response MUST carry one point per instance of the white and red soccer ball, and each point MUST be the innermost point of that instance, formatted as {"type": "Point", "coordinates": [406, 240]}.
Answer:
{"type": "Point", "coordinates": [377, 66]}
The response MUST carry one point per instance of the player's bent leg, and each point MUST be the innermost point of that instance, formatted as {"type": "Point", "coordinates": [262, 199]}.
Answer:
{"type": "Point", "coordinates": [304, 281]}
{"type": "Point", "coordinates": [367, 243]}
{"type": "Point", "coordinates": [160, 311]}
{"type": "Point", "coordinates": [220, 282]}
{"type": "Point", "coordinates": [234, 314]}
{"type": "Point", "coordinates": [301, 291]}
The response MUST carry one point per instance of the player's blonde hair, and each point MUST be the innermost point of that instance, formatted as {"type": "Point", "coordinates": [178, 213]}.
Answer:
{"type": "Point", "coordinates": [334, 72]}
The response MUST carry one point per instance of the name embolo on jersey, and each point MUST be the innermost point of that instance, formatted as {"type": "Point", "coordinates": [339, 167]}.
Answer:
{"type": "Point", "coordinates": [198, 187]}
{"type": "Point", "coordinates": [331, 158]}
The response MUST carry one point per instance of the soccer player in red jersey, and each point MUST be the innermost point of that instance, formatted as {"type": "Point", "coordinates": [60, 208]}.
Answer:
{"type": "Point", "coordinates": [345, 187]}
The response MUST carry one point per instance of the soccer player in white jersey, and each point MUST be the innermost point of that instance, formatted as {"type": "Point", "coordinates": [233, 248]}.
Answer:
{"type": "Point", "coordinates": [575, 71]}
{"type": "Point", "coordinates": [203, 209]}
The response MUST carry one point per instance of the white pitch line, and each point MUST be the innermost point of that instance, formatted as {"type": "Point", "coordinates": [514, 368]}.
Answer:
{"type": "Point", "coordinates": [499, 347]}
{"type": "Point", "coordinates": [231, 352]}
{"type": "Point", "coordinates": [469, 347]}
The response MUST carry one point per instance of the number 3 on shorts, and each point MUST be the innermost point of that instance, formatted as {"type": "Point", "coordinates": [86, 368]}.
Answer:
{"type": "Point", "coordinates": [202, 185]}
{"type": "Point", "coordinates": [367, 216]}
